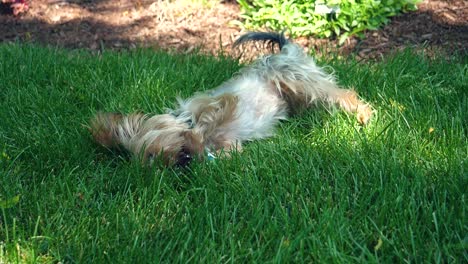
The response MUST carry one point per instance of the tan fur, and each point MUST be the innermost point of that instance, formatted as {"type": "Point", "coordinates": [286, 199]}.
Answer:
{"type": "Point", "coordinates": [245, 108]}
{"type": "Point", "coordinates": [211, 116]}
{"type": "Point", "coordinates": [106, 128]}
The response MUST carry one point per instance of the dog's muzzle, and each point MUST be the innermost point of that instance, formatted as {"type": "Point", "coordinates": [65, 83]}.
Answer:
{"type": "Point", "coordinates": [184, 158]}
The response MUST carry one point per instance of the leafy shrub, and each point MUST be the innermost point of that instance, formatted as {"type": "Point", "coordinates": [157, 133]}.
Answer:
{"type": "Point", "coordinates": [322, 18]}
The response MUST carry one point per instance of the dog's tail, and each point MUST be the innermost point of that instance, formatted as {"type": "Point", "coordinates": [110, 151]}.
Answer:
{"type": "Point", "coordinates": [271, 38]}
{"type": "Point", "coordinates": [113, 130]}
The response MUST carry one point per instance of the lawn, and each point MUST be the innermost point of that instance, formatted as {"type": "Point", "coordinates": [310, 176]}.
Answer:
{"type": "Point", "coordinates": [324, 189]}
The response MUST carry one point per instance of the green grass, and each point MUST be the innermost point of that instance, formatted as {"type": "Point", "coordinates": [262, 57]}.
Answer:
{"type": "Point", "coordinates": [322, 190]}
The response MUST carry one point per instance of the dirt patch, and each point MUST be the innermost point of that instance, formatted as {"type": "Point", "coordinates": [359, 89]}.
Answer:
{"type": "Point", "coordinates": [441, 25]}
{"type": "Point", "coordinates": [184, 26]}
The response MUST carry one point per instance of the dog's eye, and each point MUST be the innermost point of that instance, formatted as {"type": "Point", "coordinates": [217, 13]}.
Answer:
{"type": "Point", "coordinates": [184, 158]}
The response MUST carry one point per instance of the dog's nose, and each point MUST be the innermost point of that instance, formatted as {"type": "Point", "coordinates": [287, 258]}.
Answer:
{"type": "Point", "coordinates": [184, 159]}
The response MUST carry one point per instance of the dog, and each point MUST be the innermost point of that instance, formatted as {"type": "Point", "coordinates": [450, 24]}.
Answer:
{"type": "Point", "coordinates": [247, 107]}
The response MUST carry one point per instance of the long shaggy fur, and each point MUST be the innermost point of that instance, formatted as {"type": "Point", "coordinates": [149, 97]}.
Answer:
{"type": "Point", "coordinates": [244, 108]}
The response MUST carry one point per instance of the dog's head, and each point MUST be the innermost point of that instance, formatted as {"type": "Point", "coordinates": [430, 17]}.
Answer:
{"type": "Point", "coordinates": [178, 139]}
{"type": "Point", "coordinates": [168, 140]}
{"type": "Point", "coordinates": [160, 139]}
{"type": "Point", "coordinates": [172, 146]}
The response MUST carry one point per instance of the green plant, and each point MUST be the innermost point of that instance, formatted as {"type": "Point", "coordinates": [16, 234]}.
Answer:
{"type": "Point", "coordinates": [322, 18]}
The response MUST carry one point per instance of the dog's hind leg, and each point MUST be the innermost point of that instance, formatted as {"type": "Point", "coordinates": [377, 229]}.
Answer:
{"type": "Point", "coordinates": [301, 95]}
{"type": "Point", "coordinates": [348, 100]}
{"type": "Point", "coordinates": [302, 83]}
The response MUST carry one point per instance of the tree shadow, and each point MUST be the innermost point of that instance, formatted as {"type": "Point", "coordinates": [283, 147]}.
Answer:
{"type": "Point", "coordinates": [106, 24]}
{"type": "Point", "coordinates": [100, 6]}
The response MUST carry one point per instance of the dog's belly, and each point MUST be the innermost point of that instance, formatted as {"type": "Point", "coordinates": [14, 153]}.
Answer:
{"type": "Point", "coordinates": [259, 108]}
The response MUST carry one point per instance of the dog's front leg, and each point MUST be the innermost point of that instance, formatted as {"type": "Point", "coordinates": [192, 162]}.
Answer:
{"type": "Point", "coordinates": [211, 131]}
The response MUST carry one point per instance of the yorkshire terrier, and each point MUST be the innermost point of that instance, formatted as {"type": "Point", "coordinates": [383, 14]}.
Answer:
{"type": "Point", "coordinates": [244, 108]}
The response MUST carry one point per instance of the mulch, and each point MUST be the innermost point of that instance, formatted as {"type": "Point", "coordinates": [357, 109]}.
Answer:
{"type": "Point", "coordinates": [184, 26]}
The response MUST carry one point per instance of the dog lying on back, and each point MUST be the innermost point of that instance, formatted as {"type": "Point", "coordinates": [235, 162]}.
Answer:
{"type": "Point", "coordinates": [244, 108]}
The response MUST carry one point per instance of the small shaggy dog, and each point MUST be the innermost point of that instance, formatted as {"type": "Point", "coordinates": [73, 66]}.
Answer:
{"type": "Point", "coordinates": [244, 108]}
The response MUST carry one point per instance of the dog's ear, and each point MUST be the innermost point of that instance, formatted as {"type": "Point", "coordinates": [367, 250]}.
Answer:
{"type": "Point", "coordinates": [104, 128]}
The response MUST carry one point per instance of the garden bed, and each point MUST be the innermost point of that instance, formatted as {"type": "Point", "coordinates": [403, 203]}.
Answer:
{"type": "Point", "coordinates": [184, 26]}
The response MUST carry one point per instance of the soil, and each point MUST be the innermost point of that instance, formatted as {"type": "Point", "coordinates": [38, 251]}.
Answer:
{"type": "Point", "coordinates": [185, 26]}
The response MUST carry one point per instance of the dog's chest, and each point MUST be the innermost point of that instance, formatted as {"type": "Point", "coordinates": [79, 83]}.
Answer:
{"type": "Point", "coordinates": [259, 108]}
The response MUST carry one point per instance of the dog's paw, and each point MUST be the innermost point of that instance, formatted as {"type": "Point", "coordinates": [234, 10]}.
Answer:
{"type": "Point", "coordinates": [364, 113]}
